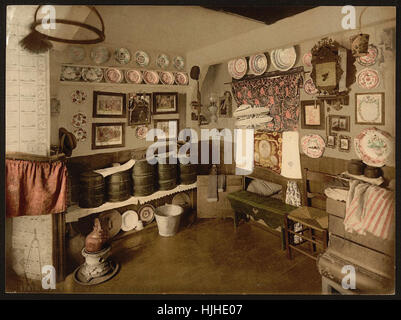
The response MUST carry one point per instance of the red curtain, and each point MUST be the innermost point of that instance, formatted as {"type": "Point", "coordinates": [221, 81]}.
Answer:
{"type": "Point", "coordinates": [35, 188]}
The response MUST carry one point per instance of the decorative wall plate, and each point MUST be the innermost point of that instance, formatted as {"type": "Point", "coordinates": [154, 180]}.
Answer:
{"type": "Point", "coordinates": [368, 78]}
{"type": "Point", "coordinates": [237, 68]}
{"type": "Point", "coordinates": [78, 96]}
{"type": "Point", "coordinates": [100, 54]}
{"type": "Point", "coordinates": [92, 74]}
{"type": "Point", "coordinates": [76, 53]}
{"type": "Point", "coordinates": [151, 77]}
{"type": "Point", "coordinates": [167, 77]}
{"type": "Point", "coordinates": [309, 87]}
{"type": "Point", "coordinates": [313, 145]}
{"type": "Point", "coordinates": [141, 132]}
{"type": "Point", "coordinates": [133, 76]}
{"type": "Point", "coordinates": [373, 146]}
{"type": "Point", "coordinates": [181, 78]}
{"type": "Point", "coordinates": [129, 220]}
{"type": "Point", "coordinates": [147, 213]}
{"type": "Point", "coordinates": [369, 59]}
{"type": "Point", "coordinates": [179, 62]}
{"type": "Point", "coordinates": [258, 64]}
{"type": "Point", "coordinates": [113, 75]}
{"type": "Point", "coordinates": [122, 55]}
{"type": "Point", "coordinates": [162, 61]}
{"type": "Point", "coordinates": [283, 59]}
{"type": "Point", "coordinates": [79, 120]}
{"type": "Point", "coordinates": [141, 58]}
{"type": "Point", "coordinates": [307, 59]}
{"type": "Point", "coordinates": [80, 134]}
{"type": "Point", "coordinates": [70, 73]}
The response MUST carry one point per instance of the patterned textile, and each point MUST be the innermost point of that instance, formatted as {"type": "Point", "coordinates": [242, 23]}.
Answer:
{"type": "Point", "coordinates": [280, 94]}
{"type": "Point", "coordinates": [369, 208]}
{"type": "Point", "coordinates": [35, 188]}
{"type": "Point", "coordinates": [293, 197]}
{"type": "Point", "coordinates": [268, 150]}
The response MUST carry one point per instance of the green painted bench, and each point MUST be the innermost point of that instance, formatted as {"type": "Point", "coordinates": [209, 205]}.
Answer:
{"type": "Point", "coordinates": [271, 210]}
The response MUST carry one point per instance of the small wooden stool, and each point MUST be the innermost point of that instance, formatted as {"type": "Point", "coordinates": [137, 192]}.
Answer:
{"type": "Point", "coordinates": [314, 231]}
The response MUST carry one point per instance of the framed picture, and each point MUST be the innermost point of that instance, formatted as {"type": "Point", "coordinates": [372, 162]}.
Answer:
{"type": "Point", "coordinates": [168, 126]}
{"type": "Point", "coordinates": [369, 108]}
{"type": "Point", "coordinates": [331, 141]}
{"type": "Point", "coordinates": [109, 104]}
{"type": "Point", "coordinates": [108, 135]}
{"type": "Point", "coordinates": [339, 123]}
{"type": "Point", "coordinates": [165, 102]}
{"type": "Point", "coordinates": [312, 114]}
{"type": "Point", "coordinates": [344, 143]}
{"type": "Point", "coordinates": [225, 105]}
{"type": "Point", "coordinates": [139, 108]}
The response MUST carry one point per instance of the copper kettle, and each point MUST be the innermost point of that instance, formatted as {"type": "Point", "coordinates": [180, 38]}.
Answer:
{"type": "Point", "coordinates": [96, 239]}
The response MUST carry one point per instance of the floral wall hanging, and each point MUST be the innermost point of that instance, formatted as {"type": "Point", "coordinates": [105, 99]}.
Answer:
{"type": "Point", "coordinates": [280, 94]}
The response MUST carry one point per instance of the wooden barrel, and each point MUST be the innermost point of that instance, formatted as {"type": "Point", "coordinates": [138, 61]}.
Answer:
{"type": "Point", "coordinates": [91, 190]}
{"type": "Point", "coordinates": [144, 178]}
{"type": "Point", "coordinates": [118, 186]}
{"type": "Point", "coordinates": [167, 174]}
{"type": "Point", "coordinates": [187, 173]}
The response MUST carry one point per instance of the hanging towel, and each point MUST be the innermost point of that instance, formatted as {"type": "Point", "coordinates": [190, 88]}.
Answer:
{"type": "Point", "coordinates": [221, 183]}
{"type": "Point", "coordinates": [369, 208]}
{"type": "Point", "coordinates": [293, 197]}
{"type": "Point", "coordinates": [291, 162]}
{"type": "Point", "coordinates": [212, 189]}
{"type": "Point", "coordinates": [35, 188]}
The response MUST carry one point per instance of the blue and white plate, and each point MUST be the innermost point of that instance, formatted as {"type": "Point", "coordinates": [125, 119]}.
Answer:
{"type": "Point", "coordinates": [179, 62]}
{"type": "Point", "coordinates": [122, 55]}
{"type": "Point", "coordinates": [142, 58]}
{"type": "Point", "coordinates": [92, 74]}
{"type": "Point", "coordinates": [162, 61]}
{"type": "Point", "coordinates": [100, 54]}
{"type": "Point", "coordinates": [258, 64]}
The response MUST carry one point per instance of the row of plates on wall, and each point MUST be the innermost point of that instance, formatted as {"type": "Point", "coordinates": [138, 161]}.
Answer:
{"type": "Point", "coordinates": [117, 75]}
{"type": "Point", "coordinates": [100, 55]}
{"type": "Point", "coordinates": [281, 59]}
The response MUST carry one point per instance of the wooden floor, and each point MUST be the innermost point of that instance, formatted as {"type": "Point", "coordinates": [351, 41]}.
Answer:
{"type": "Point", "coordinates": [206, 258]}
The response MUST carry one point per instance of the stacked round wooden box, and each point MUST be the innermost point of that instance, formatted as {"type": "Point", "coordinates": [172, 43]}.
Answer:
{"type": "Point", "coordinates": [142, 180]}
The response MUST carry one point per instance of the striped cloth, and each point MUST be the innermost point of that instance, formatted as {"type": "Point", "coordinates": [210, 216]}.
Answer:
{"type": "Point", "coordinates": [369, 208]}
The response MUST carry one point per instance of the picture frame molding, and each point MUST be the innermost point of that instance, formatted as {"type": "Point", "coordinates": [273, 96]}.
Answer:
{"type": "Point", "coordinates": [168, 120]}
{"type": "Point", "coordinates": [106, 93]}
{"type": "Point", "coordinates": [154, 106]}
{"type": "Point", "coordinates": [322, 124]}
{"type": "Point", "coordinates": [383, 108]}
{"type": "Point", "coordinates": [130, 123]}
{"type": "Point", "coordinates": [99, 124]}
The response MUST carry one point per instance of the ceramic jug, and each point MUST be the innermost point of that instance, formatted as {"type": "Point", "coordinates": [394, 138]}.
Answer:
{"type": "Point", "coordinates": [96, 239]}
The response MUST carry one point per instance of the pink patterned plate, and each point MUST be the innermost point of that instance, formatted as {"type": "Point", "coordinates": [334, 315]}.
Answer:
{"type": "Point", "coordinates": [370, 58]}
{"type": "Point", "coordinates": [133, 76]}
{"type": "Point", "coordinates": [80, 134]}
{"type": "Point", "coordinates": [141, 132]}
{"type": "Point", "coordinates": [167, 77]}
{"type": "Point", "coordinates": [368, 78]}
{"type": "Point", "coordinates": [313, 145]}
{"type": "Point", "coordinates": [181, 78]}
{"type": "Point", "coordinates": [79, 119]}
{"type": "Point", "coordinates": [151, 77]}
{"type": "Point", "coordinates": [309, 87]}
{"type": "Point", "coordinates": [78, 96]}
{"type": "Point", "coordinates": [307, 59]}
{"type": "Point", "coordinates": [113, 75]}
{"type": "Point", "coordinates": [240, 68]}
{"type": "Point", "coordinates": [373, 146]}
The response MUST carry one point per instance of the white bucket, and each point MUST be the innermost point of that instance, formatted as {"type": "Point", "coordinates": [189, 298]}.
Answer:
{"type": "Point", "coordinates": [168, 219]}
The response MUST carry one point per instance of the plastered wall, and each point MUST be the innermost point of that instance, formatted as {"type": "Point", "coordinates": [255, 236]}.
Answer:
{"type": "Point", "coordinates": [63, 91]}
{"type": "Point", "coordinates": [289, 33]}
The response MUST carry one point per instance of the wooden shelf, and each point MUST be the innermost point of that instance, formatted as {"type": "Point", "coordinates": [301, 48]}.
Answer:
{"type": "Point", "coordinates": [74, 213]}
{"type": "Point", "coordinates": [88, 83]}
